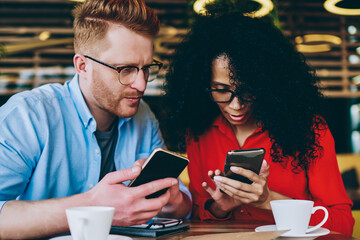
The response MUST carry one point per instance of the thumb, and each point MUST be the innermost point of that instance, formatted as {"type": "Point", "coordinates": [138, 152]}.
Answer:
{"type": "Point", "coordinates": [140, 162]}
{"type": "Point", "coordinates": [264, 170]}
{"type": "Point", "coordinates": [122, 175]}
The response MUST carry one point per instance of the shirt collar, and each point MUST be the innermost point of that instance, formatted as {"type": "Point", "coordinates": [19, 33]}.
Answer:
{"type": "Point", "coordinates": [79, 102]}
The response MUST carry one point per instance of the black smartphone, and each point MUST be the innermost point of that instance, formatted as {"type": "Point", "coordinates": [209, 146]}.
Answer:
{"type": "Point", "coordinates": [160, 164]}
{"type": "Point", "coordinates": [248, 158]}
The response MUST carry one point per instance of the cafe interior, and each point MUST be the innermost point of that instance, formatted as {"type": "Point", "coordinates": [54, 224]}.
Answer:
{"type": "Point", "coordinates": [36, 48]}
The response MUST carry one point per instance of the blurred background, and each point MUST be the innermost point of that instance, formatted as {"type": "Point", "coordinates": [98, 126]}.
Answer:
{"type": "Point", "coordinates": [36, 48]}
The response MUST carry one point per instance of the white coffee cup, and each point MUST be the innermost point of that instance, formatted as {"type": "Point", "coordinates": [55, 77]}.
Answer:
{"type": "Point", "coordinates": [295, 215]}
{"type": "Point", "coordinates": [90, 223]}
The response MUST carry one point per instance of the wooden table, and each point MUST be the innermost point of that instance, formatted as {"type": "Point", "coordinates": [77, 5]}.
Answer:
{"type": "Point", "coordinates": [201, 228]}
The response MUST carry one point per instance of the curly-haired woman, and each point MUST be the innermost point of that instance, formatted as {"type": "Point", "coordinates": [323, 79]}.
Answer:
{"type": "Point", "coordinates": [237, 83]}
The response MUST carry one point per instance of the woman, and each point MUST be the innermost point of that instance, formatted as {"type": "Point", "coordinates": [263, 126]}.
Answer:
{"type": "Point", "coordinates": [237, 83]}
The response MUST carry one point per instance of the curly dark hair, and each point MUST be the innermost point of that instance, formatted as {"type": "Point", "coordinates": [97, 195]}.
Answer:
{"type": "Point", "coordinates": [287, 100]}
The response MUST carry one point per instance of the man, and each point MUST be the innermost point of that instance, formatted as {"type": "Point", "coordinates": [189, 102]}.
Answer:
{"type": "Point", "coordinates": [58, 141]}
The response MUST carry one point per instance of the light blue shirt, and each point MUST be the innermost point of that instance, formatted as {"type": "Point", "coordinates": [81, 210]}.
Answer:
{"type": "Point", "coordinates": [48, 148]}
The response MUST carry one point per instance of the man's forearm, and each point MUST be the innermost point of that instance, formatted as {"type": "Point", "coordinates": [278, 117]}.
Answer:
{"type": "Point", "coordinates": [34, 219]}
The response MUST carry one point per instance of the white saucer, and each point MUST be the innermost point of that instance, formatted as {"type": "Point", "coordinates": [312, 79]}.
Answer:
{"type": "Point", "coordinates": [316, 233]}
{"type": "Point", "coordinates": [111, 237]}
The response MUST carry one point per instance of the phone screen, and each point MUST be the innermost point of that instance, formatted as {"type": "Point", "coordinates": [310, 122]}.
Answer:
{"type": "Point", "coordinates": [160, 164]}
{"type": "Point", "coordinates": [248, 158]}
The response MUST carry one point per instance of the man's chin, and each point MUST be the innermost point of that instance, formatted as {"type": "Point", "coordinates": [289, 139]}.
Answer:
{"type": "Point", "coordinates": [128, 112]}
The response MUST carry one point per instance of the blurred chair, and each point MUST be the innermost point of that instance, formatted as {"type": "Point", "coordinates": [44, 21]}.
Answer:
{"type": "Point", "coordinates": [348, 163]}
{"type": "Point", "coordinates": [356, 215]}
{"type": "Point", "coordinates": [184, 176]}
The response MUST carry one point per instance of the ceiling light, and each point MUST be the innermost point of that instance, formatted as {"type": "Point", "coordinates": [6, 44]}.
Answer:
{"type": "Point", "coordinates": [266, 7]}
{"type": "Point", "coordinates": [28, 46]}
{"type": "Point", "coordinates": [352, 29]}
{"type": "Point", "coordinates": [43, 36]}
{"type": "Point", "coordinates": [307, 43]}
{"type": "Point", "coordinates": [322, 38]}
{"type": "Point", "coordinates": [313, 48]}
{"type": "Point", "coordinates": [354, 59]}
{"type": "Point", "coordinates": [330, 6]}
{"type": "Point", "coordinates": [199, 6]}
{"type": "Point", "coordinates": [356, 80]}
{"type": "Point", "coordinates": [299, 40]}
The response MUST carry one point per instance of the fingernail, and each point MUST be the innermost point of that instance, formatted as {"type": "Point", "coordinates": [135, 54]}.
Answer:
{"type": "Point", "coordinates": [174, 182]}
{"type": "Point", "coordinates": [234, 169]}
{"type": "Point", "coordinates": [217, 178]}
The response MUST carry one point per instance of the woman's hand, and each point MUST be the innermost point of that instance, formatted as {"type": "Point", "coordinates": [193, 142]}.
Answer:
{"type": "Point", "coordinates": [256, 194]}
{"type": "Point", "coordinates": [223, 203]}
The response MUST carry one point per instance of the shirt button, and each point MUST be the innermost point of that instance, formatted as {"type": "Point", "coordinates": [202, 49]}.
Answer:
{"type": "Point", "coordinates": [93, 123]}
{"type": "Point", "coordinates": [90, 186]}
{"type": "Point", "coordinates": [97, 151]}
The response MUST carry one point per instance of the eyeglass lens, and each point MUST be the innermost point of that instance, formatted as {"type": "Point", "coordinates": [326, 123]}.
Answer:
{"type": "Point", "coordinates": [129, 74]}
{"type": "Point", "coordinates": [225, 96]}
{"type": "Point", "coordinates": [222, 96]}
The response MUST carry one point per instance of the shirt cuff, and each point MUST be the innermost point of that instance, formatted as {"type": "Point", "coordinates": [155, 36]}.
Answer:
{"type": "Point", "coordinates": [209, 215]}
{"type": "Point", "coordinates": [185, 190]}
{"type": "Point", "coordinates": [2, 204]}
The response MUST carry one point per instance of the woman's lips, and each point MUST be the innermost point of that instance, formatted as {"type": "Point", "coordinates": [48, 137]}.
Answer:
{"type": "Point", "coordinates": [237, 117]}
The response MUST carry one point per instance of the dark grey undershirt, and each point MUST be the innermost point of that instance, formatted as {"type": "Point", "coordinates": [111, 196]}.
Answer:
{"type": "Point", "coordinates": [107, 142]}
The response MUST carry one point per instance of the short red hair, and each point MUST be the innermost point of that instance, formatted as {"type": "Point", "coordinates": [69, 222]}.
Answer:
{"type": "Point", "coordinates": [92, 18]}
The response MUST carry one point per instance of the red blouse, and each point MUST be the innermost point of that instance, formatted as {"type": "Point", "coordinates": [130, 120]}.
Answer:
{"type": "Point", "coordinates": [325, 186]}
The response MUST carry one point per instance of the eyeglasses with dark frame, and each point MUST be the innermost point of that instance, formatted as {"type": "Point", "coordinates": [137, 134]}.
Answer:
{"type": "Point", "coordinates": [127, 74]}
{"type": "Point", "coordinates": [225, 96]}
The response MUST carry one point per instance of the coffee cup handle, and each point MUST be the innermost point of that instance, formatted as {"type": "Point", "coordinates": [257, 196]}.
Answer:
{"type": "Point", "coordinates": [322, 222]}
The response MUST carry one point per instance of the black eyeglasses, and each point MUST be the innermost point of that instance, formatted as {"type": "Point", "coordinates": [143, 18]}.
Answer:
{"type": "Point", "coordinates": [127, 74]}
{"type": "Point", "coordinates": [226, 96]}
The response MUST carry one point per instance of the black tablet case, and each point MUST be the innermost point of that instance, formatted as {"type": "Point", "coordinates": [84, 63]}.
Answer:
{"type": "Point", "coordinates": [143, 232]}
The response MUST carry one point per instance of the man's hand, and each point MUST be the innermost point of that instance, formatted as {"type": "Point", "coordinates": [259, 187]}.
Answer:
{"type": "Point", "coordinates": [131, 206]}
{"type": "Point", "coordinates": [47, 217]}
{"type": "Point", "coordinates": [140, 162]}
{"type": "Point", "coordinates": [179, 204]}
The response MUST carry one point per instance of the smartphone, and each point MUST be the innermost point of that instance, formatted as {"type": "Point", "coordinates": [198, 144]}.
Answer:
{"type": "Point", "coordinates": [248, 158]}
{"type": "Point", "coordinates": [160, 164]}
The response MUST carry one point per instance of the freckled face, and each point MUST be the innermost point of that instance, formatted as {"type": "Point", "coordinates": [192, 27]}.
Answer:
{"type": "Point", "coordinates": [237, 114]}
